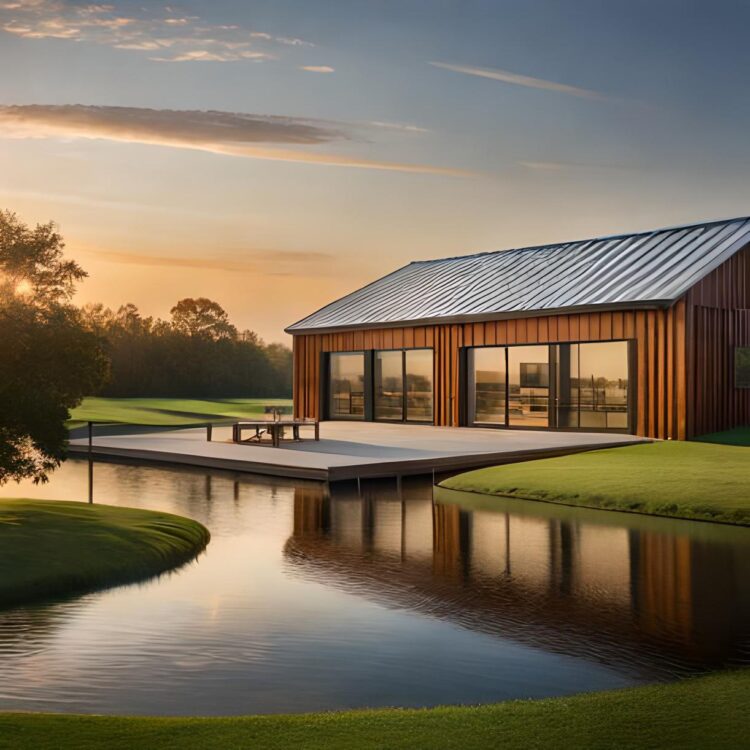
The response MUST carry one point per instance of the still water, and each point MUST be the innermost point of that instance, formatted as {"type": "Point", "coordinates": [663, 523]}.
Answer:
{"type": "Point", "coordinates": [307, 601]}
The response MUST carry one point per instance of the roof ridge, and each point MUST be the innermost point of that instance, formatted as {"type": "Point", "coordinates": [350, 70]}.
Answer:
{"type": "Point", "coordinates": [601, 238]}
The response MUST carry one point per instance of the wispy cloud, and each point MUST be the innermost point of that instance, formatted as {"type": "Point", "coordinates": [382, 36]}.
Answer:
{"type": "Point", "coordinates": [559, 167]}
{"type": "Point", "coordinates": [227, 133]}
{"type": "Point", "coordinates": [520, 80]}
{"type": "Point", "coordinates": [161, 32]}
{"type": "Point", "coordinates": [404, 127]}
{"type": "Point", "coordinates": [317, 68]}
{"type": "Point", "coordinates": [265, 262]}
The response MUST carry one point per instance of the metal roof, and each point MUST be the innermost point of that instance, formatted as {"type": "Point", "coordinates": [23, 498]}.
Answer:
{"type": "Point", "coordinates": [648, 269]}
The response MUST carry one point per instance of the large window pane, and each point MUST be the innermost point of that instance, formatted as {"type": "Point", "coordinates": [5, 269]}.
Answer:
{"type": "Point", "coordinates": [347, 386]}
{"type": "Point", "coordinates": [567, 386]}
{"type": "Point", "coordinates": [487, 385]}
{"type": "Point", "coordinates": [603, 385]}
{"type": "Point", "coordinates": [528, 386]}
{"type": "Point", "coordinates": [419, 385]}
{"type": "Point", "coordinates": [389, 385]}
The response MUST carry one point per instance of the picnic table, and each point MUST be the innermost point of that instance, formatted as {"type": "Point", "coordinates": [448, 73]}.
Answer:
{"type": "Point", "coordinates": [275, 429]}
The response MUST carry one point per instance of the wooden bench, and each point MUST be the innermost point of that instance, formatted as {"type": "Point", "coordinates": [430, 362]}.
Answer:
{"type": "Point", "coordinates": [275, 430]}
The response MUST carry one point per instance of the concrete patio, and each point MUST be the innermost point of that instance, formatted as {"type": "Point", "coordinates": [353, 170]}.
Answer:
{"type": "Point", "coordinates": [347, 450]}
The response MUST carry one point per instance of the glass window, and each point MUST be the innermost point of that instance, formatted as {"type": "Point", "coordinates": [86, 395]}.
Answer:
{"type": "Point", "coordinates": [487, 385]}
{"type": "Point", "coordinates": [567, 386]}
{"type": "Point", "coordinates": [389, 385]}
{"type": "Point", "coordinates": [419, 385]}
{"type": "Point", "coordinates": [742, 367]}
{"type": "Point", "coordinates": [347, 386]}
{"type": "Point", "coordinates": [603, 385]}
{"type": "Point", "coordinates": [528, 386]}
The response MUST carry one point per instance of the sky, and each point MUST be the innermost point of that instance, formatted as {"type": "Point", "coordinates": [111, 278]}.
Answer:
{"type": "Point", "coordinates": [274, 155]}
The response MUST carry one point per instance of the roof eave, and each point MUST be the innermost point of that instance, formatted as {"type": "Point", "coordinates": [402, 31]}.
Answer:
{"type": "Point", "coordinates": [483, 317]}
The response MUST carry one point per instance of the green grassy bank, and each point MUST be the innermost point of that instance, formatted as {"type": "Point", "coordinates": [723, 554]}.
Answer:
{"type": "Point", "coordinates": [170, 411]}
{"type": "Point", "coordinates": [699, 481]}
{"type": "Point", "coordinates": [706, 712]}
{"type": "Point", "coordinates": [55, 548]}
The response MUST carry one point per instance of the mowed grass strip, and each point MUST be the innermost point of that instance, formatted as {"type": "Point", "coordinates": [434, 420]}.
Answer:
{"type": "Point", "coordinates": [699, 481]}
{"type": "Point", "coordinates": [55, 548]}
{"type": "Point", "coordinates": [700, 713]}
{"type": "Point", "coordinates": [170, 411]}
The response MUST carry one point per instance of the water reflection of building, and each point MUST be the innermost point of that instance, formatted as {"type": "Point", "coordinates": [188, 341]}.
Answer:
{"type": "Point", "coordinates": [642, 597]}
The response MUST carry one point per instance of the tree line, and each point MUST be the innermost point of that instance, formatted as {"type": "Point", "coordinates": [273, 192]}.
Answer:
{"type": "Point", "coordinates": [197, 353]}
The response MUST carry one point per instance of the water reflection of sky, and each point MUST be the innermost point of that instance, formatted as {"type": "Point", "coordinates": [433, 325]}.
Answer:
{"type": "Point", "coordinates": [305, 602]}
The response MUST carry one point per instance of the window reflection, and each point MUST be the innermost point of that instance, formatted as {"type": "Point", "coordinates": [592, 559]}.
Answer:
{"type": "Point", "coordinates": [347, 386]}
{"type": "Point", "coordinates": [592, 385]}
{"type": "Point", "coordinates": [528, 386]}
{"type": "Point", "coordinates": [487, 385]}
{"type": "Point", "coordinates": [389, 385]}
{"type": "Point", "coordinates": [419, 385]}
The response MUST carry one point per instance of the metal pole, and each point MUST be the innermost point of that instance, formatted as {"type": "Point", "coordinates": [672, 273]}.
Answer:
{"type": "Point", "coordinates": [91, 463]}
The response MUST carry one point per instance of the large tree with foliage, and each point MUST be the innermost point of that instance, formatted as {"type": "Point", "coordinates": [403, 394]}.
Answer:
{"type": "Point", "coordinates": [202, 317]}
{"type": "Point", "coordinates": [49, 360]}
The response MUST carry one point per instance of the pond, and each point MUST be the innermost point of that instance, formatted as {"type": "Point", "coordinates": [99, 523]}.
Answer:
{"type": "Point", "coordinates": [310, 601]}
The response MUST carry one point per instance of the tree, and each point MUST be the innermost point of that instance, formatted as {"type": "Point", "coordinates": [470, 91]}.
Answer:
{"type": "Point", "coordinates": [49, 359]}
{"type": "Point", "coordinates": [202, 317]}
{"type": "Point", "coordinates": [32, 264]}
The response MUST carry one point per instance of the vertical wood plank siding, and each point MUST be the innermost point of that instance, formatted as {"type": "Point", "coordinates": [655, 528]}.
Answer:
{"type": "Point", "coordinates": [659, 380]}
{"type": "Point", "coordinates": [718, 309]}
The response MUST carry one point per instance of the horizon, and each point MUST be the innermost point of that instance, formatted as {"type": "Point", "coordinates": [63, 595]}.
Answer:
{"type": "Point", "coordinates": [275, 156]}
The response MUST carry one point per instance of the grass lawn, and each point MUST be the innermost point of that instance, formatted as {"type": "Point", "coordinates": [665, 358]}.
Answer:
{"type": "Point", "coordinates": [169, 411]}
{"type": "Point", "coordinates": [691, 480]}
{"type": "Point", "coordinates": [701, 713]}
{"type": "Point", "coordinates": [55, 548]}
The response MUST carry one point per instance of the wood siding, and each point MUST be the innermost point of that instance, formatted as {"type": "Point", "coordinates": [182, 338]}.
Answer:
{"type": "Point", "coordinates": [660, 379]}
{"type": "Point", "coordinates": [718, 309]}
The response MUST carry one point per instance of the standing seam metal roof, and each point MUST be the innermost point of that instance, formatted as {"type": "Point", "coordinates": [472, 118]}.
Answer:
{"type": "Point", "coordinates": [644, 269]}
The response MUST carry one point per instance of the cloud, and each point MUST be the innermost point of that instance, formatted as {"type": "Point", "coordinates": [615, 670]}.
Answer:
{"type": "Point", "coordinates": [560, 166]}
{"type": "Point", "coordinates": [266, 262]}
{"type": "Point", "coordinates": [227, 133]}
{"type": "Point", "coordinates": [403, 127]}
{"type": "Point", "coordinates": [317, 68]}
{"type": "Point", "coordinates": [520, 80]}
{"type": "Point", "coordinates": [204, 55]}
{"type": "Point", "coordinates": [148, 29]}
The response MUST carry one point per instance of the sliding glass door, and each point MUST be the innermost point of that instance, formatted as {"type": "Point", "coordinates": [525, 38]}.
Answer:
{"type": "Point", "coordinates": [402, 385]}
{"type": "Point", "coordinates": [593, 385]}
{"type": "Point", "coordinates": [389, 386]}
{"type": "Point", "coordinates": [528, 386]}
{"type": "Point", "coordinates": [419, 398]}
{"type": "Point", "coordinates": [487, 390]}
{"type": "Point", "coordinates": [569, 386]}
{"type": "Point", "coordinates": [346, 386]}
